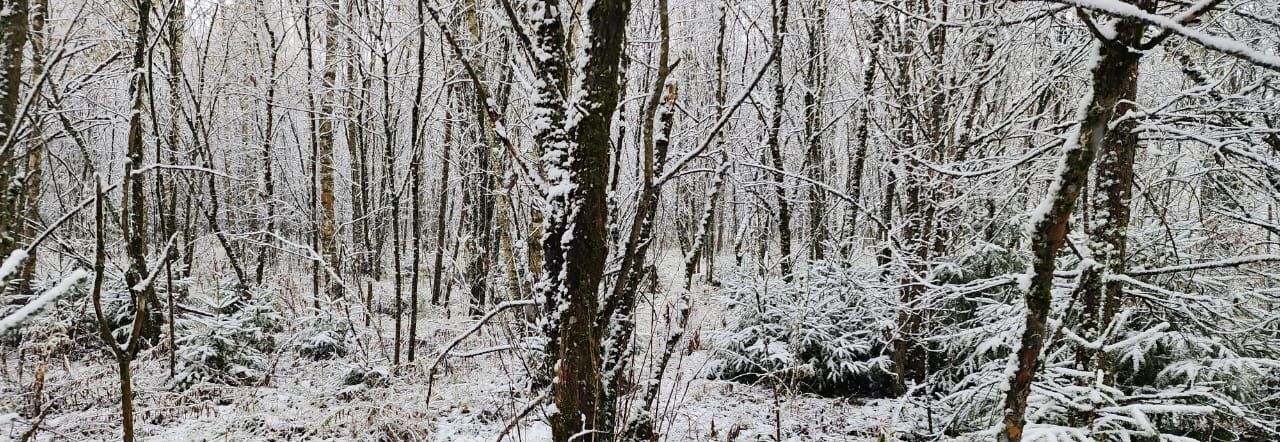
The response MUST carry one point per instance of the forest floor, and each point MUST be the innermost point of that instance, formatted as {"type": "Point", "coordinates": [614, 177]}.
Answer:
{"type": "Point", "coordinates": [472, 399]}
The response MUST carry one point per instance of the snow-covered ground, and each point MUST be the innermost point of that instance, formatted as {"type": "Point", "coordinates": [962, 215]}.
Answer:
{"type": "Point", "coordinates": [472, 399]}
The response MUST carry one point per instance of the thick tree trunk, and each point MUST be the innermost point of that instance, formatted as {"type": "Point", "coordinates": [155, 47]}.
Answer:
{"type": "Point", "coordinates": [13, 39]}
{"type": "Point", "coordinates": [1109, 220]}
{"type": "Point", "coordinates": [576, 241]}
{"type": "Point", "coordinates": [552, 146]}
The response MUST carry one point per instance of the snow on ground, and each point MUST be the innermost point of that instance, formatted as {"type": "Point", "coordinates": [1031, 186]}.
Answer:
{"type": "Point", "coordinates": [472, 399]}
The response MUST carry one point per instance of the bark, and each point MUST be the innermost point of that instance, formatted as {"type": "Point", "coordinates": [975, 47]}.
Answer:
{"type": "Point", "coordinates": [1112, 191]}
{"type": "Point", "coordinates": [775, 143]}
{"type": "Point", "coordinates": [904, 176]}
{"type": "Point", "coordinates": [551, 145]}
{"type": "Point", "coordinates": [442, 209]}
{"type": "Point", "coordinates": [314, 162]}
{"type": "Point", "coordinates": [268, 140]}
{"type": "Point", "coordinates": [575, 263]}
{"type": "Point", "coordinates": [715, 235]}
{"type": "Point", "coordinates": [415, 175]}
{"type": "Point", "coordinates": [13, 39]}
{"type": "Point", "coordinates": [481, 210]}
{"type": "Point", "coordinates": [1115, 67]}
{"type": "Point", "coordinates": [616, 320]}
{"type": "Point", "coordinates": [389, 171]}
{"type": "Point", "coordinates": [134, 220]}
{"type": "Point", "coordinates": [862, 133]}
{"type": "Point", "coordinates": [123, 354]}
{"type": "Point", "coordinates": [328, 235]}
{"type": "Point", "coordinates": [35, 159]}
{"type": "Point", "coordinates": [363, 256]}
{"type": "Point", "coordinates": [815, 157]}
{"type": "Point", "coordinates": [641, 427]}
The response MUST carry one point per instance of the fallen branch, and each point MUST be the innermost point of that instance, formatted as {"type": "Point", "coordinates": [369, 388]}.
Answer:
{"type": "Point", "coordinates": [511, 424]}
{"type": "Point", "coordinates": [444, 352]}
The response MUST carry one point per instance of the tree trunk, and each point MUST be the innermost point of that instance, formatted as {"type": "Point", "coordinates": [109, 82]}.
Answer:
{"type": "Point", "coordinates": [268, 140]}
{"type": "Point", "coordinates": [134, 224]}
{"type": "Point", "coordinates": [35, 159]}
{"type": "Point", "coordinates": [815, 157]}
{"type": "Point", "coordinates": [437, 266]}
{"type": "Point", "coordinates": [576, 241]}
{"type": "Point", "coordinates": [1109, 220]}
{"type": "Point", "coordinates": [13, 39]}
{"type": "Point", "coordinates": [328, 235]}
{"type": "Point", "coordinates": [775, 144]}
{"type": "Point", "coordinates": [1114, 76]}
{"type": "Point", "coordinates": [415, 176]}
{"type": "Point", "coordinates": [862, 134]}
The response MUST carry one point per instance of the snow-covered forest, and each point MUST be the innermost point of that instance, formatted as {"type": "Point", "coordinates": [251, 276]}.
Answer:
{"type": "Point", "coordinates": [640, 220]}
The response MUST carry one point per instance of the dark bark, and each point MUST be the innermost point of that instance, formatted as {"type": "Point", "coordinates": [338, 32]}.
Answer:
{"type": "Point", "coordinates": [415, 176]}
{"type": "Point", "coordinates": [774, 141]}
{"type": "Point", "coordinates": [13, 40]}
{"type": "Point", "coordinates": [35, 158]}
{"type": "Point", "coordinates": [574, 267]}
{"type": "Point", "coordinates": [134, 221]}
{"type": "Point", "coordinates": [1115, 69]}
{"type": "Point", "coordinates": [442, 209]}
{"type": "Point", "coordinates": [862, 133]}
{"type": "Point", "coordinates": [815, 156]}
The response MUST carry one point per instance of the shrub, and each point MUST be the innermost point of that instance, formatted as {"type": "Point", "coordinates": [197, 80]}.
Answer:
{"type": "Point", "coordinates": [825, 334]}
{"type": "Point", "coordinates": [230, 346]}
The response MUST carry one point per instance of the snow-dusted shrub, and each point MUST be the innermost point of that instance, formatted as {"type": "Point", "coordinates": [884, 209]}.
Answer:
{"type": "Point", "coordinates": [324, 336]}
{"type": "Point", "coordinates": [825, 333]}
{"type": "Point", "coordinates": [1188, 356]}
{"type": "Point", "coordinates": [230, 346]}
{"type": "Point", "coordinates": [70, 318]}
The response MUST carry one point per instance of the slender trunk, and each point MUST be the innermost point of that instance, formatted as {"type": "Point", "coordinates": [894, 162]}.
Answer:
{"type": "Point", "coordinates": [134, 223]}
{"type": "Point", "coordinates": [483, 198]}
{"type": "Point", "coordinates": [902, 175]}
{"type": "Point", "coordinates": [361, 254]}
{"type": "Point", "coordinates": [616, 320]}
{"type": "Point", "coordinates": [415, 175]}
{"type": "Point", "coordinates": [123, 354]}
{"type": "Point", "coordinates": [35, 159]}
{"type": "Point", "coordinates": [268, 140]}
{"type": "Point", "coordinates": [1112, 79]}
{"type": "Point", "coordinates": [443, 208]}
{"type": "Point", "coordinates": [862, 134]}
{"type": "Point", "coordinates": [314, 163]}
{"type": "Point", "coordinates": [775, 143]}
{"type": "Point", "coordinates": [389, 155]}
{"type": "Point", "coordinates": [641, 428]}
{"type": "Point", "coordinates": [715, 234]}
{"type": "Point", "coordinates": [815, 158]}
{"type": "Point", "coordinates": [328, 234]}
